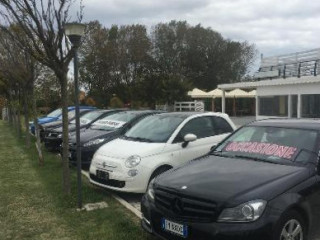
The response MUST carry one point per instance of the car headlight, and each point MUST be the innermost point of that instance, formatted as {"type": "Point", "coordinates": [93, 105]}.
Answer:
{"type": "Point", "coordinates": [247, 212]}
{"type": "Point", "coordinates": [60, 135]}
{"type": "Point", "coordinates": [133, 161]}
{"type": "Point", "coordinates": [94, 142]}
{"type": "Point", "coordinates": [150, 190]}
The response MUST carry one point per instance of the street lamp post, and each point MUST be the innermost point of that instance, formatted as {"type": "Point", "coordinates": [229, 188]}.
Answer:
{"type": "Point", "coordinates": [74, 32]}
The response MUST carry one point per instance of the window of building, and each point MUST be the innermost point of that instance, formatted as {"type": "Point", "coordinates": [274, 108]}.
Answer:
{"type": "Point", "coordinates": [273, 106]}
{"type": "Point", "coordinates": [311, 105]}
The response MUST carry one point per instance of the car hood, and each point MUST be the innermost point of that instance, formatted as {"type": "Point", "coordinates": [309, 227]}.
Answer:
{"type": "Point", "coordinates": [233, 181]}
{"type": "Point", "coordinates": [52, 124]}
{"type": "Point", "coordinates": [71, 128]}
{"type": "Point", "coordinates": [122, 149]}
{"type": "Point", "coordinates": [87, 135]}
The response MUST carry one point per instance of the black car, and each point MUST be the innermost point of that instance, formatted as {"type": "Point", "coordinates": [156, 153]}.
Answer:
{"type": "Point", "coordinates": [261, 182]}
{"type": "Point", "coordinates": [53, 137]}
{"type": "Point", "coordinates": [48, 127]}
{"type": "Point", "coordinates": [102, 132]}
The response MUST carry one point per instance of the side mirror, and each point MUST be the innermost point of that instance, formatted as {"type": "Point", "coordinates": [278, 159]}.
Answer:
{"type": "Point", "coordinates": [188, 138]}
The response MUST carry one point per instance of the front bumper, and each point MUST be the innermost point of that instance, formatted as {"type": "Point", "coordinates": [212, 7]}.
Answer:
{"type": "Point", "coordinates": [258, 230]}
{"type": "Point", "coordinates": [119, 179]}
{"type": "Point", "coordinates": [86, 155]}
{"type": "Point", "coordinates": [52, 143]}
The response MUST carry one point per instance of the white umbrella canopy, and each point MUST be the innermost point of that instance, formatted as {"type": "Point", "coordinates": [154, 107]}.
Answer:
{"type": "Point", "coordinates": [252, 93]}
{"type": "Point", "coordinates": [216, 93]}
{"type": "Point", "coordinates": [238, 93]}
{"type": "Point", "coordinates": [197, 93]}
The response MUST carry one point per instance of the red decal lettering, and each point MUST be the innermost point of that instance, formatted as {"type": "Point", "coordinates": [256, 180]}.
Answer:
{"type": "Point", "coordinates": [272, 149]}
{"type": "Point", "coordinates": [251, 148]}
{"type": "Point", "coordinates": [290, 152]}
{"type": "Point", "coordinates": [263, 151]}
{"type": "Point", "coordinates": [281, 151]}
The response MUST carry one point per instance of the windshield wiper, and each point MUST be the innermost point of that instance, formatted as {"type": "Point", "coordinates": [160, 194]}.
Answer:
{"type": "Point", "coordinates": [139, 139]}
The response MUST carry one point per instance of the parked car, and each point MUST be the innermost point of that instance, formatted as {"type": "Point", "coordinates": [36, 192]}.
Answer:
{"type": "Point", "coordinates": [155, 145]}
{"type": "Point", "coordinates": [103, 131]}
{"type": "Point", "coordinates": [54, 116]}
{"type": "Point", "coordinates": [53, 137]}
{"type": "Point", "coordinates": [48, 127]}
{"type": "Point", "coordinates": [262, 182]}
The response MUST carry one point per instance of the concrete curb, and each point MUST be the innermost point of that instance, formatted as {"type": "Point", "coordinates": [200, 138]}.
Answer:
{"type": "Point", "coordinates": [128, 205]}
{"type": "Point", "coordinates": [120, 200]}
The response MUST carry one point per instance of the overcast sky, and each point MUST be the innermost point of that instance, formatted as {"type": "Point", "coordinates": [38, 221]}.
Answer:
{"type": "Point", "coordinates": [274, 26]}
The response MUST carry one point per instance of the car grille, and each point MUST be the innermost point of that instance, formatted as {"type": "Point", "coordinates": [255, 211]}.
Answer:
{"type": "Point", "coordinates": [52, 134]}
{"type": "Point", "coordinates": [183, 207]}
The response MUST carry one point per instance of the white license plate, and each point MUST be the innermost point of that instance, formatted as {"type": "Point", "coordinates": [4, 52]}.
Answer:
{"type": "Point", "coordinates": [175, 228]}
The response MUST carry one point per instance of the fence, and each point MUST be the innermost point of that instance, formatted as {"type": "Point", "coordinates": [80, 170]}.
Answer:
{"type": "Point", "coordinates": [197, 106]}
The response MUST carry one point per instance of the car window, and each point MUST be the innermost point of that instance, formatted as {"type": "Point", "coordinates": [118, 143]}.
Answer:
{"type": "Point", "coordinates": [155, 128]}
{"type": "Point", "coordinates": [221, 126]}
{"type": "Point", "coordinates": [114, 121]}
{"type": "Point", "coordinates": [277, 144]}
{"type": "Point", "coordinates": [88, 117]}
{"type": "Point", "coordinates": [55, 113]}
{"type": "Point", "coordinates": [201, 127]}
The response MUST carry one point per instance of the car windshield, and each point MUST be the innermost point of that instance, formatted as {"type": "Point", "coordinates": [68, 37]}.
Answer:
{"type": "Point", "coordinates": [114, 121]}
{"type": "Point", "coordinates": [155, 128]}
{"type": "Point", "coordinates": [88, 117]}
{"type": "Point", "coordinates": [55, 113]}
{"type": "Point", "coordinates": [270, 144]}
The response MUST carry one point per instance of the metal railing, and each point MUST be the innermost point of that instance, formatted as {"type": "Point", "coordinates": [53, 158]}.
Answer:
{"type": "Point", "coordinates": [290, 65]}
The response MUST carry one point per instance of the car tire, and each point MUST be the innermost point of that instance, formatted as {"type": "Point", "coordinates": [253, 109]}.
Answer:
{"type": "Point", "coordinates": [291, 224]}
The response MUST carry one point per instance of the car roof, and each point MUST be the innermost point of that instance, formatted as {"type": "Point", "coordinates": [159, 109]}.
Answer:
{"type": "Point", "coordinates": [288, 123]}
{"type": "Point", "coordinates": [186, 115]}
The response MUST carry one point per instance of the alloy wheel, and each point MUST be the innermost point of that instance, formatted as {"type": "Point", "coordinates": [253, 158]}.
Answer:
{"type": "Point", "coordinates": [292, 230]}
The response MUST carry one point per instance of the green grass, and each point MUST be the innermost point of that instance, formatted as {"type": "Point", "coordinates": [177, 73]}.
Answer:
{"type": "Point", "coordinates": [32, 205]}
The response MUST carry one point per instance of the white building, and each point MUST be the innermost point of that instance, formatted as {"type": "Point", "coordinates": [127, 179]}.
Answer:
{"type": "Point", "coordinates": [286, 86]}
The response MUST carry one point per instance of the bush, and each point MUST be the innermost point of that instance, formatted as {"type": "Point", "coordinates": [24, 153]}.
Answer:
{"type": "Point", "coordinates": [116, 102]}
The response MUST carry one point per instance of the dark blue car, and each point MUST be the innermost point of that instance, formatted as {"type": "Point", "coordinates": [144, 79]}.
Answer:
{"type": "Point", "coordinates": [54, 116]}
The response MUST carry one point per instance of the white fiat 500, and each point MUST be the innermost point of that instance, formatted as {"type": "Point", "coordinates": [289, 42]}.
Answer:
{"type": "Point", "coordinates": [154, 145]}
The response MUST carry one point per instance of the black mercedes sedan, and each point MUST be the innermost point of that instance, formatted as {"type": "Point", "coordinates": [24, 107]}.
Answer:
{"type": "Point", "coordinates": [53, 137]}
{"type": "Point", "coordinates": [103, 131]}
{"type": "Point", "coordinates": [261, 182]}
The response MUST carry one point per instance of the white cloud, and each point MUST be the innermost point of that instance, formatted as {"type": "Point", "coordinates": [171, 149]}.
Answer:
{"type": "Point", "coordinates": [275, 26]}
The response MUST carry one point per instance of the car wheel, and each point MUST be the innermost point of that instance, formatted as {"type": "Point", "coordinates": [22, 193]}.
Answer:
{"type": "Point", "coordinates": [291, 226]}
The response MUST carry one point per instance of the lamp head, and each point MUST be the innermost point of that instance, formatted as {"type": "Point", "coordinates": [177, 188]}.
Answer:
{"type": "Point", "coordinates": [74, 31]}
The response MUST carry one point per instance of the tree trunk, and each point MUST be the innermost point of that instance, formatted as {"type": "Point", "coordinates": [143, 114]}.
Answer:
{"type": "Point", "coordinates": [65, 137]}
{"type": "Point", "coordinates": [36, 128]}
{"type": "Point", "coordinates": [26, 117]}
{"type": "Point", "coordinates": [19, 122]}
{"type": "Point", "coordinates": [10, 113]}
